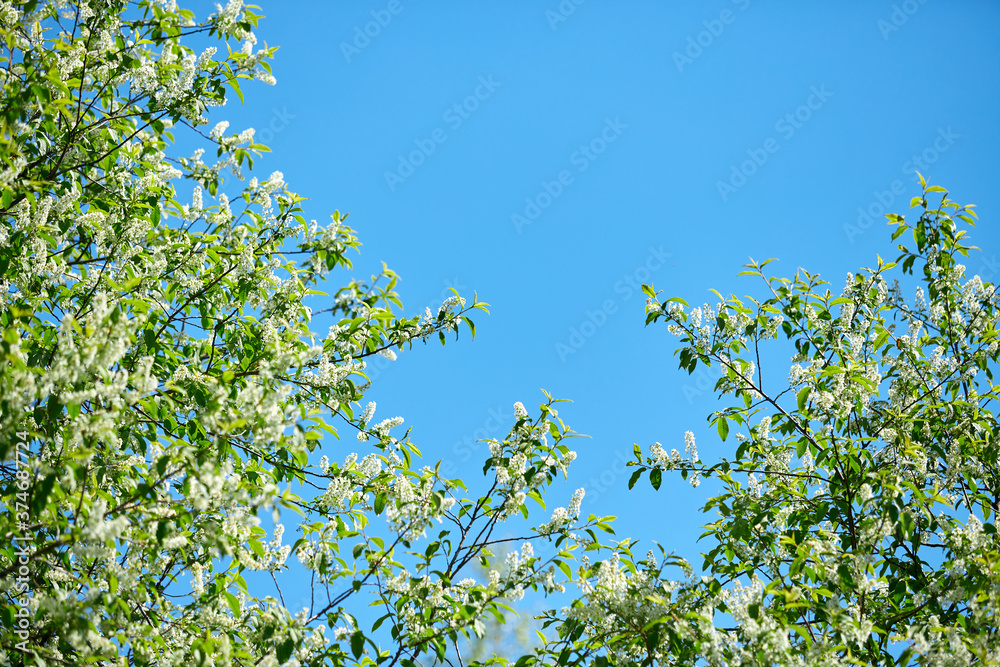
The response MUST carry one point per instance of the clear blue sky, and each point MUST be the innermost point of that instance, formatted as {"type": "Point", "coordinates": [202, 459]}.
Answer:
{"type": "Point", "coordinates": [631, 114]}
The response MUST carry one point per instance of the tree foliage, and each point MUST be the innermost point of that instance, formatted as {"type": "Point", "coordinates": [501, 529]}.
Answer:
{"type": "Point", "coordinates": [857, 518]}
{"type": "Point", "coordinates": [164, 387]}
{"type": "Point", "coordinates": [174, 360]}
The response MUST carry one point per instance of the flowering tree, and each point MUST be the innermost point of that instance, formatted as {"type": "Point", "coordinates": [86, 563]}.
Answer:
{"type": "Point", "coordinates": [857, 518]}
{"type": "Point", "coordinates": [164, 397]}
{"type": "Point", "coordinates": [163, 390]}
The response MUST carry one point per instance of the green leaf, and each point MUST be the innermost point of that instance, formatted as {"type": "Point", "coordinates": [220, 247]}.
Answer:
{"type": "Point", "coordinates": [42, 493]}
{"type": "Point", "coordinates": [802, 397]}
{"type": "Point", "coordinates": [161, 531]}
{"type": "Point", "coordinates": [284, 650]}
{"type": "Point", "coordinates": [357, 644]}
{"type": "Point", "coordinates": [256, 547]}
{"type": "Point", "coordinates": [655, 478]}
{"type": "Point", "coordinates": [234, 604]}
{"type": "Point", "coordinates": [378, 623]}
{"type": "Point", "coordinates": [723, 428]}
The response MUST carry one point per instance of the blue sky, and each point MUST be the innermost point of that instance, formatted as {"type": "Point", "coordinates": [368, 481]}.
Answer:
{"type": "Point", "coordinates": [551, 160]}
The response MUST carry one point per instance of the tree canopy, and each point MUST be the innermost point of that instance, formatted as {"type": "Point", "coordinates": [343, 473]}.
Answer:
{"type": "Point", "coordinates": [164, 387]}
{"type": "Point", "coordinates": [180, 339]}
{"type": "Point", "coordinates": [857, 518]}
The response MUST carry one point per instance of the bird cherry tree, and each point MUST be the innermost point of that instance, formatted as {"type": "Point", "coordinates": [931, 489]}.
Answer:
{"type": "Point", "coordinates": [856, 522]}
{"type": "Point", "coordinates": [173, 358]}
